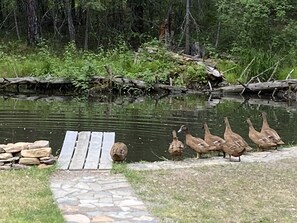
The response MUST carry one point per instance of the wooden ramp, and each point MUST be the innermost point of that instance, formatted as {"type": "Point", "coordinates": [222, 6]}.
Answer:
{"type": "Point", "coordinates": [86, 151]}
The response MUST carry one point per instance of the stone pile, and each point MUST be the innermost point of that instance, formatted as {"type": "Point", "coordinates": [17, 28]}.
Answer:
{"type": "Point", "coordinates": [24, 154]}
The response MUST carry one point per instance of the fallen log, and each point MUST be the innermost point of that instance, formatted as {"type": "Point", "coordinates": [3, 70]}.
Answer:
{"type": "Point", "coordinates": [261, 87]}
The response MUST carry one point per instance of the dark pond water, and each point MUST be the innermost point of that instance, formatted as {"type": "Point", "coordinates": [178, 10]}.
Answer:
{"type": "Point", "coordinates": [145, 124]}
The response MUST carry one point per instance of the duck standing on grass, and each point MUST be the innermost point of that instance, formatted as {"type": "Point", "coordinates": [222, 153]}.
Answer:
{"type": "Point", "coordinates": [195, 143]}
{"type": "Point", "coordinates": [260, 139]}
{"type": "Point", "coordinates": [213, 140]}
{"type": "Point", "coordinates": [176, 147]}
{"type": "Point", "coordinates": [233, 137]}
{"type": "Point", "coordinates": [233, 149]}
{"type": "Point", "coordinates": [118, 152]}
{"type": "Point", "coordinates": [270, 132]}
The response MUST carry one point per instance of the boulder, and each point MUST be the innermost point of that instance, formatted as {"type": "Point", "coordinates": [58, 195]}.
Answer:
{"type": "Point", "coordinates": [39, 144]}
{"type": "Point", "coordinates": [2, 150]}
{"type": "Point", "coordinates": [16, 147]}
{"type": "Point", "coordinates": [11, 160]}
{"type": "Point", "coordinates": [5, 156]}
{"type": "Point", "coordinates": [37, 153]}
{"type": "Point", "coordinates": [29, 161]}
{"type": "Point", "coordinates": [48, 160]}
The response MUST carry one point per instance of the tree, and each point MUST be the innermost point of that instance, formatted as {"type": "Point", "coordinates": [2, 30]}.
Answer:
{"type": "Point", "coordinates": [33, 37]}
{"type": "Point", "coordinates": [71, 28]}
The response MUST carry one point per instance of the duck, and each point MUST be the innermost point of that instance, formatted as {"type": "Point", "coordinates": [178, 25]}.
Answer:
{"type": "Point", "coordinates": [270, 132]}
{"type": "Point", "coordinates": [260, 139]}
{"type": "Point", "coordinates": [235, 138]}
{"type": "Point", "coordinates": [232, 148]}
{"type": "Point", "coordinates": [176, 147]}
{"type": "Point", "coordinates": [195, 143]}
{"type": "Point", "coordinates": [213, 140]}
{"type": "Point", "coordinates": [118, 152]}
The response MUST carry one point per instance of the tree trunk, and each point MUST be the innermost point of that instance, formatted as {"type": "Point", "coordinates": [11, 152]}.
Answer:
{"type": "Point", "coordinates": [33, 31]}
{"type": "Point", "coordinates": [73, 12]}
{"type": "Point", "coordinates": [137, 24]}
{"type": "Point", "coordinates": [187, 30]}
{"type": "Point", "coordinates": [16, 24]}
{"type": "Point", "coordinates": [1, 13]}
{"type": "Point", "coordinates": [70, 21]}
{"type": "Point", "coordinates": [87, 28]}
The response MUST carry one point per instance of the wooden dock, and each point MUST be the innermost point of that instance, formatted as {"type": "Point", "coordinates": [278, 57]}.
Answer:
{"type": "Point", "coordinates": [86, 151]}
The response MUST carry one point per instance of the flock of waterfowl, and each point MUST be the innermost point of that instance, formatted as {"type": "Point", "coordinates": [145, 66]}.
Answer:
{"type": "Point", "coordinates": [232, 143]}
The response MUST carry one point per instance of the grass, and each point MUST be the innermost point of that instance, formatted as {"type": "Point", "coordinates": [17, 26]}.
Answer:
{"type": "Point", "coordinates": [26, 197]}
{"type": "Point", "coordinates": [243, 192]}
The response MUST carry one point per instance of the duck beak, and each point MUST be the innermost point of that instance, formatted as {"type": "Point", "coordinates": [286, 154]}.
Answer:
{"type": "Point", "coordinates": [179, 130]}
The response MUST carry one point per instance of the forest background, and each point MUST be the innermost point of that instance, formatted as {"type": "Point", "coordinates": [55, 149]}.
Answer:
{"type": "Point", "coordinates": [75, 39]}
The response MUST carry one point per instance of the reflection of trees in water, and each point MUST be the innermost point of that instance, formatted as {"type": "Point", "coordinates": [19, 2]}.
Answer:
{"type": "Point", "coordinates": [144, 124]}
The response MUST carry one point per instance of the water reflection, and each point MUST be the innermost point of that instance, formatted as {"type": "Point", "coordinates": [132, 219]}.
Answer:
{"type": "Point", "coordinates": [144, 125]}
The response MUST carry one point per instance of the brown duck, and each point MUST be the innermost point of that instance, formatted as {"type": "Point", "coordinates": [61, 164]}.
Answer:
{"type": "Point", "coordinates": [235, 138]}
{"type": "Point", "coordinates": [270, 132]}
{"type": "Point", "coordinates": [213, 140]}
{"type": "Point", "coordinates": [195, 143]}
{"type": "Point", "coordinates": [233, 149]}
{"type": "Point", "coordinates": [119, 152]}
{"type": "Point", "coordinates": [260, 139]}
{"type": "Point", "coordinates": [176, 147]}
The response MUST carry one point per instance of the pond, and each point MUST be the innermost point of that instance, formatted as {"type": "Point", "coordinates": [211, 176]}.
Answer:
{"type": "Point", "coordinates": [144, 124]}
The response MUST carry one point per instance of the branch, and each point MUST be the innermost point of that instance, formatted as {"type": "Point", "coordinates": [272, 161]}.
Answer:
{"type": "Point", "coordinates": [247, 68]}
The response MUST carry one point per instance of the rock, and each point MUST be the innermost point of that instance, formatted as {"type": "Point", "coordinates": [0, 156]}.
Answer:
{"type": "Point", "coordinates": [5, 156]}
{"type": "Point", "coordinates": [2, 150]}
{"type": "Point", "coordinates": [37, 153]}
{"type": "Point", "coordinates": [49, 161]}
{"type": "Point", "coordinates": [44, 166]}
{"type": "Point", "coordinates": [5, 167]}
{"type": "Point", "coordinates": [29, 161]}
{"type": "Point", "coordinates": [16, 147]}
{"type": "Point", "coordinates": [13, 159]}
{"type": "Point", "coordinates": [39, 144]}
{"type": "Point", "coordinates": [19, 166]}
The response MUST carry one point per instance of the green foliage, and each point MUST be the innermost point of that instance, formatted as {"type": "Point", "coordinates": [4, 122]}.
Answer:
{"type": "Point", "coordinates": [250, 22]}
{"type": "Point", "coordinates": [195, 73]}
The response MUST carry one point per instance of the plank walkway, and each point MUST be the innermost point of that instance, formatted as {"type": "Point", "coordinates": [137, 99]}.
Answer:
{"type": "Point", "coordinates": [86, 151]}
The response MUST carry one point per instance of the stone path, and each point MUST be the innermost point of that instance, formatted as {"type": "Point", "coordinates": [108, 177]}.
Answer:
{"type": "Point", "coordinates": [97, 196]}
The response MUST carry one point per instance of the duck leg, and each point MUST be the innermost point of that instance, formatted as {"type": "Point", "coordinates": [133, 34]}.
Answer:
{"type": "Point", "coordinates": [198, 156]}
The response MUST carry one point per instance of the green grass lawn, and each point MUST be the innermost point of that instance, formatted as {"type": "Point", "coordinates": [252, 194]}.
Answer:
{"type": "Point", "coordinates": [243, 192]}
{"type": "Point", "coordinates": [26, 197]}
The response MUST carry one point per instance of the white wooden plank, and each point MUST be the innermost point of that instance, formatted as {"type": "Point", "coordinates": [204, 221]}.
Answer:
{"type": "Point", "coordinates": [105, 159]}
{"type": "Point", "coordinates": [94, 151]}
{"type": "Point", "coordinates": [80, 151]}
{"type": "Point", "coordinates": [67, 149]}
